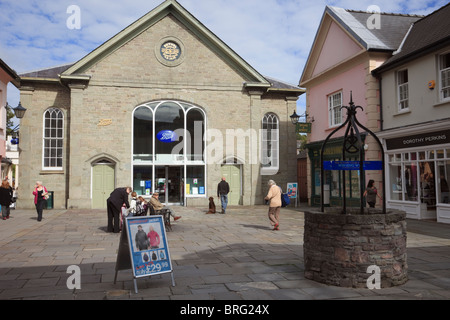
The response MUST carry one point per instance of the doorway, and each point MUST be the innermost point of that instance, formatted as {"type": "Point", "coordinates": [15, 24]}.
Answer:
{"type": "Point", "coordinates": [103, 183]}
{"type": "Point", "coordinates": [232, 174]}
{"type": "Point", "coordinates": [169, 183]}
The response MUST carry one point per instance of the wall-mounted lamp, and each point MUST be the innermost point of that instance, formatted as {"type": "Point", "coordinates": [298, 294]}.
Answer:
{"type": "Point", "coordinates": [295, 117]}
{"type": "Point", "coordinates": [19, 111]}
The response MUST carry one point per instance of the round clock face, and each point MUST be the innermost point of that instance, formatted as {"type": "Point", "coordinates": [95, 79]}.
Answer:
{"type": "Point", "coordinates": [170, 51]}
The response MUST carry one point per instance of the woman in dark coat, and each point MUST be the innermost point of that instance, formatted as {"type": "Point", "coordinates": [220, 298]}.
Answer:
{"type": "Point", "coordinates": [114, 204]}
{"type": "Point", "coordinates": [6, 195]}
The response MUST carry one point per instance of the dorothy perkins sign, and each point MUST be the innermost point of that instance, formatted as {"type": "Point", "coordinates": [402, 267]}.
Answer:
{"type": "Point", "coordinates": [419, 140]}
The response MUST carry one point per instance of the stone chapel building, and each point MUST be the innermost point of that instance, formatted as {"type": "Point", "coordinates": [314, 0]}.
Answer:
{"type": "Point", "coordinates": [163, 106]}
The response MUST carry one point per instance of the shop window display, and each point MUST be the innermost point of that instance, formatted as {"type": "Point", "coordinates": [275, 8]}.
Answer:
{"type": "Point", "coordinates": [420, 177]}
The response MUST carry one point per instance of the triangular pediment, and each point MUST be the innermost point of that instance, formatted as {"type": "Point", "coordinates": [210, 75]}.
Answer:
{"type": "Point", "coordinates": [172, 9]}
{"type": "Point", "coordinates": [332, 46]}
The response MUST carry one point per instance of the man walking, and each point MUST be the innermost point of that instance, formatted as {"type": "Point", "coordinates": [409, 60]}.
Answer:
{"type": "Point", "coordinates": [223, 188]}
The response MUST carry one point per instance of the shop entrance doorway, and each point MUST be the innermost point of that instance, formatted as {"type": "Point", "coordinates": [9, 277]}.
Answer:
{"type": "Point", "coordinates": [169, 183]}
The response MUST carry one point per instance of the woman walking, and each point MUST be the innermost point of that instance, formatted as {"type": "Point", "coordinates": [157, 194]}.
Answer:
{"type": "Point", "coordinates": [6, 195]}
{"type": "Point", "coordinates": [274, 198]}
{"type": "Point", "coordinates": [40, 193]}
{"type": "Point", "coordinates": [371, 193]}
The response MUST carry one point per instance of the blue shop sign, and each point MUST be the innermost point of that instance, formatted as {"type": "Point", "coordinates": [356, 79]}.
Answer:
{"type": "Point", "coordinates": [167, 136]}
{"type": "Point", "coordinates": [352, 165]}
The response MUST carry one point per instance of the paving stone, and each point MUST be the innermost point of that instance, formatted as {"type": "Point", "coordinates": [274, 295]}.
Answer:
{"type": "Point", "coordinates": [215, 257]}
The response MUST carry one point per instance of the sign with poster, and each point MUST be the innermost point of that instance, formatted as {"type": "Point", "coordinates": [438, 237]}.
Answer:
{"type": "Point", "coordinates": [145, 239]}
{"type": "Point", "coordinates": [292, 190]}
{"type": "Point", "coordinates": [148, 246]}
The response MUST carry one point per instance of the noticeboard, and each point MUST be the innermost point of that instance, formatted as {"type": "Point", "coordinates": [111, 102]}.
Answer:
{"type": "Point", "coordinates": [147, 241]}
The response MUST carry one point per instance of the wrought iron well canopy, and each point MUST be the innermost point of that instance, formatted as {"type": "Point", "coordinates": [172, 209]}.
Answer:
{"type": "Point", "coordinates": [352, 144]}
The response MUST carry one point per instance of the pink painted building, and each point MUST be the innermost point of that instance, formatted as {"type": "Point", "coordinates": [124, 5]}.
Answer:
{"type": "Point", "coordinates": [347, 47]}
{"type": "Point", "coordinates": [7, 75]}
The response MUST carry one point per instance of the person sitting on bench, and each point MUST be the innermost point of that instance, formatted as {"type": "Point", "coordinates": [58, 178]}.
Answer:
{"type": "Point", "coordinates": [157, 205]}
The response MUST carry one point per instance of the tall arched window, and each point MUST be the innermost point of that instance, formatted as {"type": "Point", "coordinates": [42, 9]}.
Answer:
{"type": "Point", "coordinates": [270, 144]}
{"type": "Point", "coordinates": [169, 150]}
{"type": "Point", "coordinates": [53, 139]}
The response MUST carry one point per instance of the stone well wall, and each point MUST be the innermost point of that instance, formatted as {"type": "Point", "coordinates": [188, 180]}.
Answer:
{"type": "Point", "coordinates": [339, 248]}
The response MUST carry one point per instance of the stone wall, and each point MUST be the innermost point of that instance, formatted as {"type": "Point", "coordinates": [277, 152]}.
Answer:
{"type": "Point", "coordinates": [339, 248]}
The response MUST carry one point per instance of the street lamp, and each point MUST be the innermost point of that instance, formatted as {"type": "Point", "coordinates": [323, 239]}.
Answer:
{"type": "Point", "coordinates": [294, 118]}
{"type": "Point", "coordinates": [19, 111]}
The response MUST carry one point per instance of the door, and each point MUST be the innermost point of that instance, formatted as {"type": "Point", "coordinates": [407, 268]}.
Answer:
{"type": "Point", "coordinates": [103, 182]}
{"type": "Point", "coordinates": [169, 184]}
{"type": "Point", "coordinates": [232, 174]}
{"type": "Point", "coordinates": [302, 180]}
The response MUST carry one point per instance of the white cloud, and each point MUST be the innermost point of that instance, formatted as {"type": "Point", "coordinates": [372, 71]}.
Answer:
{"type": "Point", "coordinates": [274, 36]}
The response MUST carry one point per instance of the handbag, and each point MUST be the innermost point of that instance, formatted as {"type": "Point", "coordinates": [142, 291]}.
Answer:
{"type": "Point", "coordinates": [285, 200]}
{"type": "Point", "coordinates": [45, 195]}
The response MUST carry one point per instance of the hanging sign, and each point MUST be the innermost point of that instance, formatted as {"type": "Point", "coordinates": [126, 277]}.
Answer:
{"type": "Point", "coordinates": [303, 127]}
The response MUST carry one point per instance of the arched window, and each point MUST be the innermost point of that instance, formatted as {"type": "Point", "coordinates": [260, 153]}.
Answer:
{"type": "Point", "coordinates": [169, 150]}
{"type": "Point", "coordinates": [143, 134]}
{"type": "Point", "coordinates": [53, 139]}
{"type": "Point", "coordinates": [270, 144]}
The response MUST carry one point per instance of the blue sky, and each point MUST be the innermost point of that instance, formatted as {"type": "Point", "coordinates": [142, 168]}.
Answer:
{"type": "Point", "coordinates": [274, 36]}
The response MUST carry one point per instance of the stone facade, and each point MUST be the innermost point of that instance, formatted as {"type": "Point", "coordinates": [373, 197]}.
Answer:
{"type": "Point", "coordinates": [99, 93]}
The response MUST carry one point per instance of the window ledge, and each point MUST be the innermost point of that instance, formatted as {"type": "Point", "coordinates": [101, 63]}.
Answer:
{"type": "Point", "coordinates": [442, 103]}
{"type": "Point", "coordinates": [333, 127]}
{"type": "Point", "coordinates": [407, 111]}
{"type": "Point", "coordinates": [269, 171]}
{"type": "Point", "coordinates": [44, 172]}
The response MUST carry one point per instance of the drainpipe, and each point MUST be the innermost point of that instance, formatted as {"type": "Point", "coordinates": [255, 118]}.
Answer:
{"type": "Point", "coordinates": [381, 102]}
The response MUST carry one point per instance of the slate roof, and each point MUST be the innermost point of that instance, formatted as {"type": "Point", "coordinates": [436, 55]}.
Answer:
{"type": "Point", "coordinates": [278, 84]}
{"type": "Point", "coordinates": [426, 35]}
{"type": "Point", "coordinates": [388, 37]}
{"type": "Point", "coordinates": [48, 73]}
